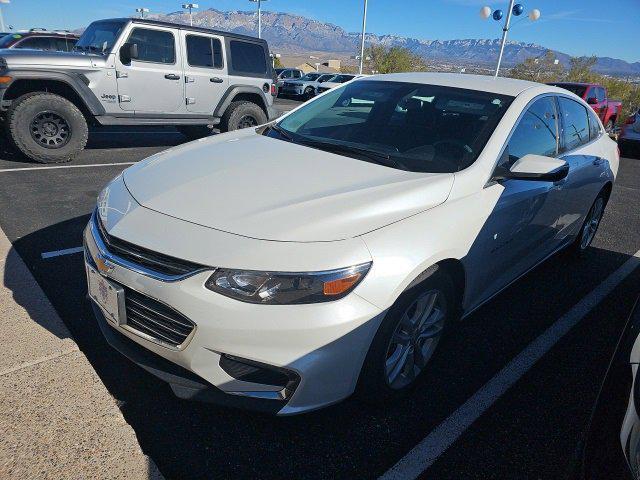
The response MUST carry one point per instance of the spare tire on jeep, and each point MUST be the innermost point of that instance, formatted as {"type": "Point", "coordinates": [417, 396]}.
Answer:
{"type": "Point", "coordinates": [46, 127]}
{"type": "Point", "coordinates": [242, 114]}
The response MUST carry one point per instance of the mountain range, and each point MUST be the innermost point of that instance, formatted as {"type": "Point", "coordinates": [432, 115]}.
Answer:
{"type": "Point", "coordinates": [295, 34]}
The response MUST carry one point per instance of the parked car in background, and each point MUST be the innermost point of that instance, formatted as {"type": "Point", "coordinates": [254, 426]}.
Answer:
{"type": "Point", "coordinates": [596, 96]}
{"type": "Point", "coordinates": [611, 445]}
{"type": "Point", "coordinates": [41, 39]}
{"type": "Point", "coordinates": [134, 71]}
{"type": "Point", "coordinates": [284, 267]}
{"type": "Point", "coordinates": [284, 74]}
{"type": "Point", "coordinates": [307, 86]}
{"type": "Point", "coordinates": [337, 80]}
{"type": "Point", "coordinates": [629, 139]}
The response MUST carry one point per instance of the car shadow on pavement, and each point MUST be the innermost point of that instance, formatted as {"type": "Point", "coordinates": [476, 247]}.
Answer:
{"type": "Point", "coordinates": [197, 440]}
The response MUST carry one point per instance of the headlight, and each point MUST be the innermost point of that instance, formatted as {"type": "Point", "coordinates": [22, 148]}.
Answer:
{"type": "Point", "coordinates": [274, 288]}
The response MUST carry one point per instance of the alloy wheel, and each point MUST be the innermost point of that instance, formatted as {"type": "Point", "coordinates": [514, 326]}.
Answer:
{"type": "Point", "coordinates": [591, 223]}
{"type": "Point", "coordinates": [247, 121]}
{"type": "Point", "coordinates": [415, 339]}
{"type": "Point", "coordinates": [50, 130]}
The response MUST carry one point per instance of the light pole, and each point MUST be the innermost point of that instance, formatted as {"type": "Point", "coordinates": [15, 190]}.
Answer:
{"type": "Point", "coordinates": [1, 17]}
{"type": "Point", "coordinates": [142, 11]}
{"type": "Point", "coordinates": [259, 2]}
{"type": "Point", "coordinates": [364, 28]}
{"type": "Point", "coordinates": [273, 58]}
{"type": "Point", "coordinates": [517, 9]}
{"type": "Point", "coordinates": [190, 7]}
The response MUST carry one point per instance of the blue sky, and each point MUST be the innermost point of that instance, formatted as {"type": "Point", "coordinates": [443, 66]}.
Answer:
{"type": "Point", "coordinates": [572, 26]}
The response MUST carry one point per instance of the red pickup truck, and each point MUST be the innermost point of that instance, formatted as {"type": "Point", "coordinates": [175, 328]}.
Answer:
{"type": "Point", "coordinates": [596, 96]}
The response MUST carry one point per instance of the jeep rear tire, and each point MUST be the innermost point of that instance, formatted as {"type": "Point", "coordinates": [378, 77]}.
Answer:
{"type": "Point", "coordinates": [242, 114]}
{"type": "Point", "coordinates": [47, 128]}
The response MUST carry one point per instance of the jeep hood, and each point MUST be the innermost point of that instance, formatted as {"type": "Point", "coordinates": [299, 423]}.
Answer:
{"type": "Point", "coordinates": [260, 187]}
{"type": "Point", "coordinates": [46, 59]}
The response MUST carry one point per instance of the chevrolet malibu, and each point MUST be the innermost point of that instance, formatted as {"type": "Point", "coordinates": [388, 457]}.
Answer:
{"type": "Point", "coordinates": [285, 267]}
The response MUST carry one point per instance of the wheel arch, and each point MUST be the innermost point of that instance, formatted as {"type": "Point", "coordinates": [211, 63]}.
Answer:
{"type": "Point", "coordinates": [455, 269]}
{"type": "Point", "coordinates": [249, 93]}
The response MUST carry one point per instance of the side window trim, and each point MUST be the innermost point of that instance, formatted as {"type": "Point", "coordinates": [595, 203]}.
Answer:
{"type": "Point", "coordinates": [175, 47]}
{"type": "Point", "coordinates": [588, 110]}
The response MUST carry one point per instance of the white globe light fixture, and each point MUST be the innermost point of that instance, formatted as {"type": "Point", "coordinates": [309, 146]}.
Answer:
{"type": "Point", "coordinates": [515, 9]}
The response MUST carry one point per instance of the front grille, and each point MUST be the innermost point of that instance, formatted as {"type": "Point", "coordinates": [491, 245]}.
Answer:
{"type": "Point", "coordinates": [149, 259]}
{"type": "Point", "coordinates": [155, 319]}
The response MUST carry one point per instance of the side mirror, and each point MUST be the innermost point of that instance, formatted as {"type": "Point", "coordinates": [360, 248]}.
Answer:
{"type": "Point", "coordinates": [128, 52]}
{"type": "Point", "coordinates": [538, 167]}
{"type": "Point", "coordinates": [592, 100]}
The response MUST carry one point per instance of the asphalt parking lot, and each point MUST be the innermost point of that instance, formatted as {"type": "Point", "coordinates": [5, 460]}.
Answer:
{"type": "Point", "coordinates": [532, 430]}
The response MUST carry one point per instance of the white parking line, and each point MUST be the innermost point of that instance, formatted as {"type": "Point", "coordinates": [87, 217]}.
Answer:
{"type": "Point", "coordinates": [55, 167]}
{"type": "Point", "coordinates": [423, 455]}
{"type": "Point", "coordinates": [59, 253]}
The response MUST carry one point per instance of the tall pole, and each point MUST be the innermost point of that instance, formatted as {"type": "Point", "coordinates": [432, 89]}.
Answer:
{"type": "Point", "coordinates": [259, 19]}
{"type": "Point", "coordinates": [505, 30]}
{"type": "Point", "coordinates": [1, 21]}
{"type": "Point", "coordinates": [364, 28]}
{"type": "Point", "coordinates": [191, 16]}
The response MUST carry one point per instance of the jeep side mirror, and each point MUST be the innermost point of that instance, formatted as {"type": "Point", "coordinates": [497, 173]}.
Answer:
{"type": "Point", "coordinates": [592, 100]}
{"type": "Point", "coordinates": [128, 52]}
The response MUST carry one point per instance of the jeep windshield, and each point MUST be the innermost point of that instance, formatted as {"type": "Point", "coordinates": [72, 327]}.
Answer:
{"type": "Point", "coordinates": [99, 37]}
{"type": "Point", "coordinates": [408, 126]}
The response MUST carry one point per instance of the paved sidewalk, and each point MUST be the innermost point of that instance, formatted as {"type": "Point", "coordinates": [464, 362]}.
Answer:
{"type": "Point", "coordinates": [57, 419]}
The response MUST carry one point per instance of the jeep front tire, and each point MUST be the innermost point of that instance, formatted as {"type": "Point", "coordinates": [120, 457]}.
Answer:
{"type": "Point", "coordinates": [47, 128]}
{"type": "Point", "coordinates": [242, 114]}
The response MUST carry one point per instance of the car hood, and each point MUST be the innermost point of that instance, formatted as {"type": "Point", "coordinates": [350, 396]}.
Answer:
{"type": "Point", "coordinates": [264, 188]}
{"type": "Point", "coordinates": [44, 59]}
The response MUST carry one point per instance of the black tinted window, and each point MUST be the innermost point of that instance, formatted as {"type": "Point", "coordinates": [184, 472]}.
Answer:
{"type": "Point", "coordinates": [600, 94]}
{"type": "Point", "coordinates": [247, 57]}
{"type": "Point", "coordinates": [536, 132]}
{"type": "Point", "coordinates": [575, 123]}
{"type": "Point", "coordinates": [154, 45]}
{"type": "Point", "coordinates": [36, 43]}
{"type": "Point", "coordinates": [297, 74]}
{"type": "Point", "coordinates": [594, 126]}
{"type": "Point", "coordinates": [204, 52]}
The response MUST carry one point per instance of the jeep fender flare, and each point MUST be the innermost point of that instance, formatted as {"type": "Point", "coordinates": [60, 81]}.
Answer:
{"type": "Point", "coordinates": [76, 81]}
{"type": "Point", "coordinates": [232, 92]}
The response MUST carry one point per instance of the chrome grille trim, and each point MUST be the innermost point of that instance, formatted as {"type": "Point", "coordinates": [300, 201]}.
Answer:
{"type": "Point", "coordinates": [116, 251]}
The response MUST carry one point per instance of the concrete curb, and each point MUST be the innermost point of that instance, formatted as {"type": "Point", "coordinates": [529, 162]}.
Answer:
{"type": "Point", "coordinates": [57, 419]}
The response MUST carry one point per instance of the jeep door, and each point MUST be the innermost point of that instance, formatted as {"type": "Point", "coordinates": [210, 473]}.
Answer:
{"type": "Point", "coordinates": [205, 69]}
{"type": "Point", "coordinates": [152, 81]}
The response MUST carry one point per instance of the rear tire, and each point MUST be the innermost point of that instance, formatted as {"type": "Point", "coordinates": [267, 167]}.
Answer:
{"type": "Point", "coordinates": [47, 128]}
{"type": "Point", "coordinates": [242, 114]}
{"type": "Point", "coordinates": [382, 379]}
{"type": "Point", "coordinates": [590, 225]}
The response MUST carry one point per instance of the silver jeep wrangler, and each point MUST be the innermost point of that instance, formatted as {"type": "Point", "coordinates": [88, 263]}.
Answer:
{"type": "Point", "coordinates": [134, 72]}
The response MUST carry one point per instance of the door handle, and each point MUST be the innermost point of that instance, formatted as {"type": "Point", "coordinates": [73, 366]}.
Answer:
{"type": "Point", "coordinates": [216, 80]}
{"type": "Point", "coordinates": [172, 76]}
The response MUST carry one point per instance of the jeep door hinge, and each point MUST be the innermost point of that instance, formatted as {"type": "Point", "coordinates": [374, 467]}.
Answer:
{"type": "Point", "coordinates": [124, 98]}
{"type": "Point", "coordinates": [190, 100]}
{"type": "Point", "coordinates": [188, 79]}
{"type": "Point", "coordinates": [120, 74]}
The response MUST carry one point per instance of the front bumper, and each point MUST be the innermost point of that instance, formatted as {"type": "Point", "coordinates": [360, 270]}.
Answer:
{"type": "Point", "coordinates": [323, 344]}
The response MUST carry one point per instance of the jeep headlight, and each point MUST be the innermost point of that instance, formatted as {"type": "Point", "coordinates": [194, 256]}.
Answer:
{"type": "Point", "coordinates": [280, 288]}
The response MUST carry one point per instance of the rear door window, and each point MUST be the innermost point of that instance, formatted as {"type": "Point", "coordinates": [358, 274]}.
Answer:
{"type": "Point", "coordinates": [575, 124]}
{"type": "Point", "coordinates": [594, 126]}
{"type": "Point", "coordinates": [247, 57]}
{"type": "Point", "coordinates": [36, 43]}
{"type": "Point", "coordinates": [204, 52]}
{"type": "Point", "coordinates": [155, 46]}
{"type": "Point", "coordinates": [537, 131]}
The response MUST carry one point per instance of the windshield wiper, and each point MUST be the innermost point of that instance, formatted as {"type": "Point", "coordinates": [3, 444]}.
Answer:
{"type": "Point", "coordinates": [281, 131]}
{"type": "Point", "coordinates": [377, 157]}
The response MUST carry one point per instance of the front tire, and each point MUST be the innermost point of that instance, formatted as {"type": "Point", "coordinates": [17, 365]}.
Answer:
{"type": "Point", "coordinates": [242, 114]}
{"type": "Point", "coordinates": [309, 93]}
{"type": "Point", "coordinates": [407, 339]}
{"type": "Point", "coordinates": [47, 128]}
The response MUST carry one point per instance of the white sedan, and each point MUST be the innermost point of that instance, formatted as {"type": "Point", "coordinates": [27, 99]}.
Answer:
{"type": "Point", "coordinates": [287, 266]}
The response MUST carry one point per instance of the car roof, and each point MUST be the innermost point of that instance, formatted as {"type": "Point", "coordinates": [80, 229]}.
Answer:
{"type": "Point", "coordinates": [486, 83]}
{"type": "Point", "coordinates": [45, 33]}
{"type": "Point", "coordinates": [182, 26]}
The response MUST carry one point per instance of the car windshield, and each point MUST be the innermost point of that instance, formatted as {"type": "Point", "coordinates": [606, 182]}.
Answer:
{"type": "Point", "coordinates": [342, 78]}
{"type": "Point", "coordinates": [325, 78]}
{"type": "Point", "coordinates": [408, 126]}
{"type": "Point", "coordinates": [310, 77]}
{"type": "Point", "coordinates": [7, 40]}
{"type": "Point", "coordinates": [99, 37]}
{"type": "Point", "coordinates": [579, 90]}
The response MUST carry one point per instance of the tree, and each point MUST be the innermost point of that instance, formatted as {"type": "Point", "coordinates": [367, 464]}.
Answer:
{"type": "Point", "coordinates": [384, 59]}
{"type": "Point", "coordinates": [580, 70]}
{"type": "Point", "coordinates": [542, 69]}
{"type": "Point", "coordinates": [277, 63]}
